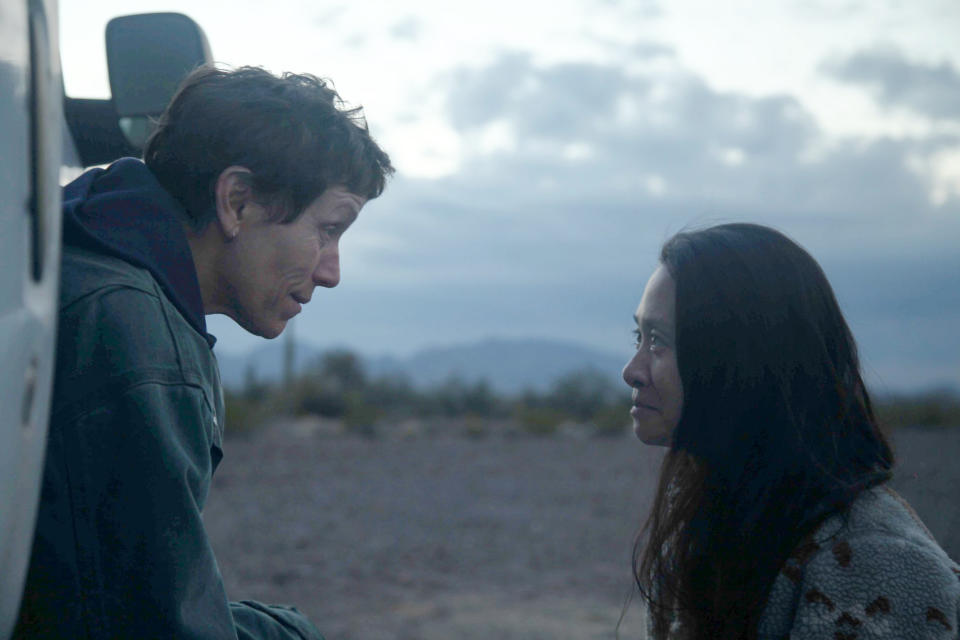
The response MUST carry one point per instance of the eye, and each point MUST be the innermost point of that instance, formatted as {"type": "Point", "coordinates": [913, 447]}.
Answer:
{"type": "Point", "coordinates": [656, 342]}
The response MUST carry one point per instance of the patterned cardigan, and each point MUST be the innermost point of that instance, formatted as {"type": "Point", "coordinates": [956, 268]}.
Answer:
{"type": "Point", "coordinates": [878, 575]}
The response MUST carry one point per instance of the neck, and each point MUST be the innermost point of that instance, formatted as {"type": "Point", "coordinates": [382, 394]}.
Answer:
{"type": "Point", "coordinates": [206, 249]}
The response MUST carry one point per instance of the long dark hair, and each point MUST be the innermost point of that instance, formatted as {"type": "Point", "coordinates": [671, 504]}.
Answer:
{"type": "Point", "coordinates": [777, 429]}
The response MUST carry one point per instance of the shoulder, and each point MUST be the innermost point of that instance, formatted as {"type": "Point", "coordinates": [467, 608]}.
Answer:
{"type": "Point", "coordinates": [84, 273]}
{"type": "Point", "coordinates": [111, 308]}
{"type": "Point", "coordinates": [117, 329]}
{"type": "Point", "coordinates": [877, 572]}
{"type": "Point", "coordinates": [884, 536]}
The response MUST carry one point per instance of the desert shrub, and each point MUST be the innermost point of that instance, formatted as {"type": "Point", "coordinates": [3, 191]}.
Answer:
{"type": "Point", "coordinates": [540, 421]}
{"type": "Point", "coordinates": [344, 369]}
{"type": "Point", "coordinates": [253, 389]}
{"type": "Point", "coordinates": [311, 398]}
{"type": "Point", "coordinates": [931, 409]}
{"type": "Point", "coordinates": [243, 414]}
{"type": "Point", "coordinates": [329, 388]}
{"type": "Point", "coordinates": [360, 417]}
{"type": "Point", "coordinates": [480, 400]}
{"type": "Point", "coordinates": [581, 394]}
{"type": "Point", "coordinates": [611, 420]}
{"type": "Point", "coordinates": [319, 403]}
{"type": "Point", "coordinates": [456, 398]}
{"type": "Point", "coordinates": [393, 395]}
{"type": "Point", "coordinates": [337, 386]}
{"type": "Point", "coordinates": [475, 427]}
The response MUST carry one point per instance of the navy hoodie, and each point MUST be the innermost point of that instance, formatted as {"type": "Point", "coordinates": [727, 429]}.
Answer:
{"type": "Point", "coordinates": [98, 214]}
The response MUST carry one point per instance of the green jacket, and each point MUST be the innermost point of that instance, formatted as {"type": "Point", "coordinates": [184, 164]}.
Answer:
{"type": "Point", "coordinates": [135, 435]}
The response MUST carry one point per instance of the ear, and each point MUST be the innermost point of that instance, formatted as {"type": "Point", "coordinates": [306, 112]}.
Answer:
{"type": "Point", "coordinates": [232, 194]}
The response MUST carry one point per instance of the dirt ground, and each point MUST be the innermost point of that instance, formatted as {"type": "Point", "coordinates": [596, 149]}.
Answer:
{"type": "Point", "coordinates": [431, 537]}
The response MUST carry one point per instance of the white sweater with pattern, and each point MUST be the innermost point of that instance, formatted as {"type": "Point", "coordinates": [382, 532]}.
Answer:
{"type": "Point", "coordinates": [880, 575]}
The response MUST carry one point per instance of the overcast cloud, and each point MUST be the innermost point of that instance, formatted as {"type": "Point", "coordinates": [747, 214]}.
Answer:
{"type": "Point", "coordinates": [546, 150]}
{"type": "Point", "coordinates": [930, 89]}
{"type": "Point", "coordinates": [573, 174]}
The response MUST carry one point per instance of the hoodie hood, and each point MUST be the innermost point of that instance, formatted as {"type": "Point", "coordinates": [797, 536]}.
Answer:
{"type": "Point", "coordinates": [123, 211]}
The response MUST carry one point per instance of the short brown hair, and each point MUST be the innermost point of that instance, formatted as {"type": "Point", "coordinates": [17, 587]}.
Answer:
{"type": "Point", "coordinates": [292, 131]}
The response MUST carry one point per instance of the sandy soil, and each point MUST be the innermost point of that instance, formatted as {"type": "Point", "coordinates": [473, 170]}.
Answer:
{"type": "Point", "coordinates": [444, 536]}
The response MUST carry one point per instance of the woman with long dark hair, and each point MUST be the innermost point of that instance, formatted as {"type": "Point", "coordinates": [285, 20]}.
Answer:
{"type": "Point", "coordinates": [771, 518]}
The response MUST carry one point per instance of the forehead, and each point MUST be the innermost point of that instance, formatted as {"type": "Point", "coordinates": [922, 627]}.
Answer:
{"type": "Point", "coordinates": [659, 299]}
{"type": "Point", "coordinates": [336, 199]}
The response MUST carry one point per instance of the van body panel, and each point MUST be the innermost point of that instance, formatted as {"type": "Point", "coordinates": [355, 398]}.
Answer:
{"type": "Point", "coordinates": [31, 142]}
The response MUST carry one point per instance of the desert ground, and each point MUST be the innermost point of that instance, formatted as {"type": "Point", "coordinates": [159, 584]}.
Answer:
{"type": "Point", "coordinates": [430, 536]}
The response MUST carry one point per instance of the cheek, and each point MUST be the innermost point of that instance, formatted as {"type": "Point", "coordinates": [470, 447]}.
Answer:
{"type": "Point", "coordinates": [259, 288]}
{"type": "Point", "coordinates": [676, 383]}
{"type": "Point", "coordinates": [283, 268]}
{"type": "Point", "coordinates": [671, 387]}
{"type": "Point", "coordinates": [297, 261]}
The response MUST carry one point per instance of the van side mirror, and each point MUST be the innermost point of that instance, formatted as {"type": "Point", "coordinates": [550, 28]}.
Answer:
{"type": "Point", "coordinates": [148, 55]}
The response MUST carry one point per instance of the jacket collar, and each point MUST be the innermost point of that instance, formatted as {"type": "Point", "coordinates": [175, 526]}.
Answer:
{"type": "Point", "coordinates": [124, 212]}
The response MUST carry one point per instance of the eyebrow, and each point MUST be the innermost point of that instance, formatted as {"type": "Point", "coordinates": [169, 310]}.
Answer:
{"type": "Point", "coordinates": [657, 323]}
{"type": "Point", "coordinates": [345, 210]}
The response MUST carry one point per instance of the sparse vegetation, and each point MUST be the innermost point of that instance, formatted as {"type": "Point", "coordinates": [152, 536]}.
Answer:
{"type": "Point", "coordinates": [539, 421]}
{"type": "Point", "coordinates": [611, 421]}
{"type": "Point", "coordinates": [475, 427]}
{"type": "Point", "coordinates": [938, 408]}
{"type": "Point", "coordinates": [337, 387]}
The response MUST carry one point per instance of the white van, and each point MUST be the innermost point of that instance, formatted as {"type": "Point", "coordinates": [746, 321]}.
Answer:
{"type": "Point", "coordinates": [46, 139]}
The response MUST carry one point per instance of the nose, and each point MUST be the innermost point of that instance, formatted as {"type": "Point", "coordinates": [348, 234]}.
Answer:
{"type": "Point", "coordinates": [636, 373]}
{"type": "Point", "coordinates": [327, 273]}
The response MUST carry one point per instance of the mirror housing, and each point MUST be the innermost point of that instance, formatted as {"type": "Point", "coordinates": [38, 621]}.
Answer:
{"type": "Point", "coordinates": [148, 55]}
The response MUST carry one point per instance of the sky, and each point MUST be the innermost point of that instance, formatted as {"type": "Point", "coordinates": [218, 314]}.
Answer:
{"type": "Point", "coordinates": [545, 150]}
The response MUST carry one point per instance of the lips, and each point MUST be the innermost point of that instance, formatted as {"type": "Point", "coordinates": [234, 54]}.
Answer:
{"type": "Point", "coordinates": [637, 404]}
{"type": "Point", "coordinates": [300, 299]}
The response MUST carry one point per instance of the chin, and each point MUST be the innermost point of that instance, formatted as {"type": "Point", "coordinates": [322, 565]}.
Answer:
{"type": "Point", "coordinates": [264, 330]}
{"type": "Point", "coordinates": [651, 437]}
{"type": "Point", "coordinates": [272, 332]}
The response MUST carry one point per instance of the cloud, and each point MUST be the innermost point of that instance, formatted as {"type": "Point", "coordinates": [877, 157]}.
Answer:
{"type": "Point", "coordinates": [572, 175]}
{"type": "Point", "coordinates": [646, 49]}
{"type": "Point", "coordinates": [588, 133]}
{"type": "Point", "coordinates": [930, 89]}
{"type": "Point", "coordinates": [355, 40]}
{"type": "Point", "coordinates": [648, 9]}
{"type": "Point", "coordinates": [554, 230]}
{"type": "Point", "coordinates": [566, 102]}
{"type": "Point", "coordinates": [407, 29]}
{"type": "Point", "coordinates": [563, 100]}
{"type": "Point", "coordinates": [331, 18]}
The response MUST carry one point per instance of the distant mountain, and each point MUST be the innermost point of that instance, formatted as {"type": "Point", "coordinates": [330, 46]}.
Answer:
{"type": "Point", "coordinates": [509, 365]}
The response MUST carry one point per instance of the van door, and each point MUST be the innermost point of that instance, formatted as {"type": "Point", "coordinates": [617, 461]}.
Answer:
{"type": "Point", "coordinates": [31, 118]}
